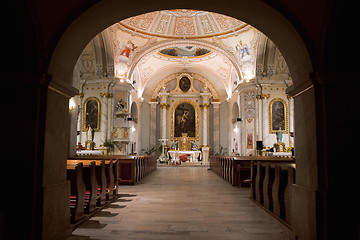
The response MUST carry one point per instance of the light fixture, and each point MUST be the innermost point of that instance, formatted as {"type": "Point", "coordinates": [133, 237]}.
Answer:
{"type": "Point", "coordinates": [133, 129]}
{"type": "Point", "coordinates": [72, 104]}
{"type": "Point", "coordinates": [236, 129]}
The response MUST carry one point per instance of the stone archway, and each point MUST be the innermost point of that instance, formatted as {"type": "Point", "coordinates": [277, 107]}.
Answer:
{"type": "Point", "coordinates": [256, 13]}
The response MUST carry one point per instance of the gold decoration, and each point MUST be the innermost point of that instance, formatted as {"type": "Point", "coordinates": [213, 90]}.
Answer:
{"type": "Point", "coordinates": [115, 133]}
{"type": "Point", "coordinates": [286, 119]}
{"type": "Point", "coordinates": [196, 120]}
{"type": "Point", "coordinates": [178, 76]}
{"type": "Point", "coordinates": [263, 96]}
{"type": "Point", "coordinates": [125, 134]}
{"type": "Point", "coordinates": [205, 106]}
{"type": "Point", "coordinates": [184, 143]}
{"type": "Point", "coordinates": [164, 106]}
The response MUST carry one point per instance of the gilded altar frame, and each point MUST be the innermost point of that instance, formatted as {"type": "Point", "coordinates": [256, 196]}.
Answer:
{"type": "Point", "coordinates": [98, 117]}
{"type": "Point", "coordinates": [173, 138]}
{"type": "Point", "coordinates": [286, 118]}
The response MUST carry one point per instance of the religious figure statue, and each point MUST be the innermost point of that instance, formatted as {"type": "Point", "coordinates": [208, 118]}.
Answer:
{"type": "Point", "coordinates": [90, 134]}
{"type": "Point", "coordinates": [175, 145]}
{"type": "Point", "coordinates": [194, 147]}
{"type": "Point", "coordinates": [89, 143]}
{"type": "Point", "coordinates": [120, 105]}
{"type": "Point", "coordinates": [279, 135]}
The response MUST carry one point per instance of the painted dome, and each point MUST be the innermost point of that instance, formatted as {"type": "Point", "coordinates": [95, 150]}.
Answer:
{"type": "Point", "coordinates": [182, 23]}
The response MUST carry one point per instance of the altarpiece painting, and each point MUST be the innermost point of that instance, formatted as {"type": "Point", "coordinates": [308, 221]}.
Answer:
{"type": "Point", "coordinates": [184, 120]}
{"type": "Point", "coordinates": [91, 114]}
{"type": "Point", "coordinates": [278, 115]}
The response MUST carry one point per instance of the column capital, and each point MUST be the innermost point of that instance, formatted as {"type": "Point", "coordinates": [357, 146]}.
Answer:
{"type": "Point", "coordinates": [216, 104]}
{"type": "Point", "coordinates": [205, 106]}
{"type": "Point", "coordinates": [164, 106]}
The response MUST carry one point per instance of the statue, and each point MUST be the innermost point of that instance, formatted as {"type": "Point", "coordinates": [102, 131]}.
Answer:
{"type": "Point", "coordinates": [279, 145]}
{"type": "Point", "coordinates": [90, 134]}
{"type": "Point", "coordinates": [194, 147]}
{"type": "Point", "coordinates": [279, 135]}
{"type": "Point", "coordinates": [120, 105]}
{"type": "Point", "coordinates": [175, 145]}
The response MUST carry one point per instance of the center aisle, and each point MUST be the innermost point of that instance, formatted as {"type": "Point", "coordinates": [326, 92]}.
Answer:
{"type": "Point", "coordinates": [182, 203]}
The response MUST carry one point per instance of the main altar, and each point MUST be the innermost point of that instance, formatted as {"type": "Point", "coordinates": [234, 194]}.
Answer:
{"type": "Point", "coordinates": [184, 149]}
{"type": "Point", "coordinates": [191, 156]}
{"type": "Point", "coordinates": [184, 118]}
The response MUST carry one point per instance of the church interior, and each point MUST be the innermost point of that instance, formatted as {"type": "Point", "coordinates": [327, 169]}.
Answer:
{"type": "Point", "coordinates": [146, 72]}
{"type": "Point", "coordinates": [136, 108]}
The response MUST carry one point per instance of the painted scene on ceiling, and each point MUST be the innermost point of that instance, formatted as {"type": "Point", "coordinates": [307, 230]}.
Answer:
{"type": "Point", "coordinates": [185, 51]}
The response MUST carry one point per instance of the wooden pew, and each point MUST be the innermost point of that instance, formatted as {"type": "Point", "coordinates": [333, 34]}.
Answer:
{"type": "Point", "coordinates": [127, 169]}
{"type": "Point", "coordinates": [260, 175]}
{"type": "Point", "coordinates": [106, 178]}
{"type": "Point", "coordinates": [91, 184]}
{"type": "Point", "coordinates": [100, 174]}
{"type": "Point", "coordinates": [287, 199]}
{"type": "Point", "coordinates": [268, 186]}
{"type": "Point", "coordinates": [270, 178]}
{"type": "Point", "coordinates": [109, 179]}
{"type": "Point", "coordinates": [233, 169]}
{"type": "Point", "coordinates": [77, 192]}
{"type": "Point", "coordinates": [241, 172]}
{"type": "Point", "coordinates": [273, 179]}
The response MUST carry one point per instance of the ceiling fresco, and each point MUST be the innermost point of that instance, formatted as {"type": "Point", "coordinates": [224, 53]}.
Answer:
{"type": "Point", "coordinates": [148, 47]}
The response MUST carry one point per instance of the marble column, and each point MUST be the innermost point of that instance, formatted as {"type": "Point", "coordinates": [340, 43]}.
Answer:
{"type": "Point", "coordinates": [216, 124]}
{"type": "Point", "coordinates": [109, 115]}
{"type": "Point", "coordinates": [152, 132]}
{"type": "Point", "coordinates": [265, 119]}
{"type": "Point", "coordinates": [164, 106]}
{"type": "Point", "coordinates": [104, 119]}
{"type": "Point", "coordinates": [291, 119]}
{"type": "Point", "coordinates": [80, 118]}
{"type": "Point", "coordinates": [259, 118]}
{"type": "Point", "coordinates": [205, 106]}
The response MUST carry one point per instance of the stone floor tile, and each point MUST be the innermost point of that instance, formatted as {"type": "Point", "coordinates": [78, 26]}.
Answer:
{"type": "Point", "coordinates": [182, 203]}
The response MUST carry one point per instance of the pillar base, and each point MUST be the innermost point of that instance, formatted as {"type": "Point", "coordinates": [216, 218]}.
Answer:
{"type": "Point", "coordinates": [205, 154]}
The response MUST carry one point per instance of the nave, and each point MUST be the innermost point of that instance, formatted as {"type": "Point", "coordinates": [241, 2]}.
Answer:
{"type": "Point", "coordinates": [182, 203]}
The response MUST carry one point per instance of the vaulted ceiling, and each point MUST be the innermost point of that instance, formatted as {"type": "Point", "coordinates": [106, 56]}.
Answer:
{"type": "Point", "coordinates": [145, 49]}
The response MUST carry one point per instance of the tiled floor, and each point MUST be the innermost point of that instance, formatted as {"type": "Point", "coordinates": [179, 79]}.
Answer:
{"type": "Point", "coordinates": [182, 203]}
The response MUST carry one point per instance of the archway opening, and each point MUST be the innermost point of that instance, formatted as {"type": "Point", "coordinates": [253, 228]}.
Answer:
{"type": "Point", "coordinates": [297, 59]}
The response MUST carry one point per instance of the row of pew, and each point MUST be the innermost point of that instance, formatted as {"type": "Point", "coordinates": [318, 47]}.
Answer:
{"type": "Point", "coordinates": [270, 188]}
{"type": "Point", "coordinates": [269, 179]}
{"type": "Point", "coordinates": [95, 180]}
{"type": "Point", "coordinates": [235, 170]}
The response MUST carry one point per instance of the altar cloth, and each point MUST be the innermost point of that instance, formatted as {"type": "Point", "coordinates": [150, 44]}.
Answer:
{"type": "Point", "coordinates": [175, 155]}
{"type": "Point", "coordinates": [89, 152]}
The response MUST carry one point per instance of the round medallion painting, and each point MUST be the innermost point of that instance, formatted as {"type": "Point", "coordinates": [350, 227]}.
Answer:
{"type": "Point", "coordinates": [184, 84]}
